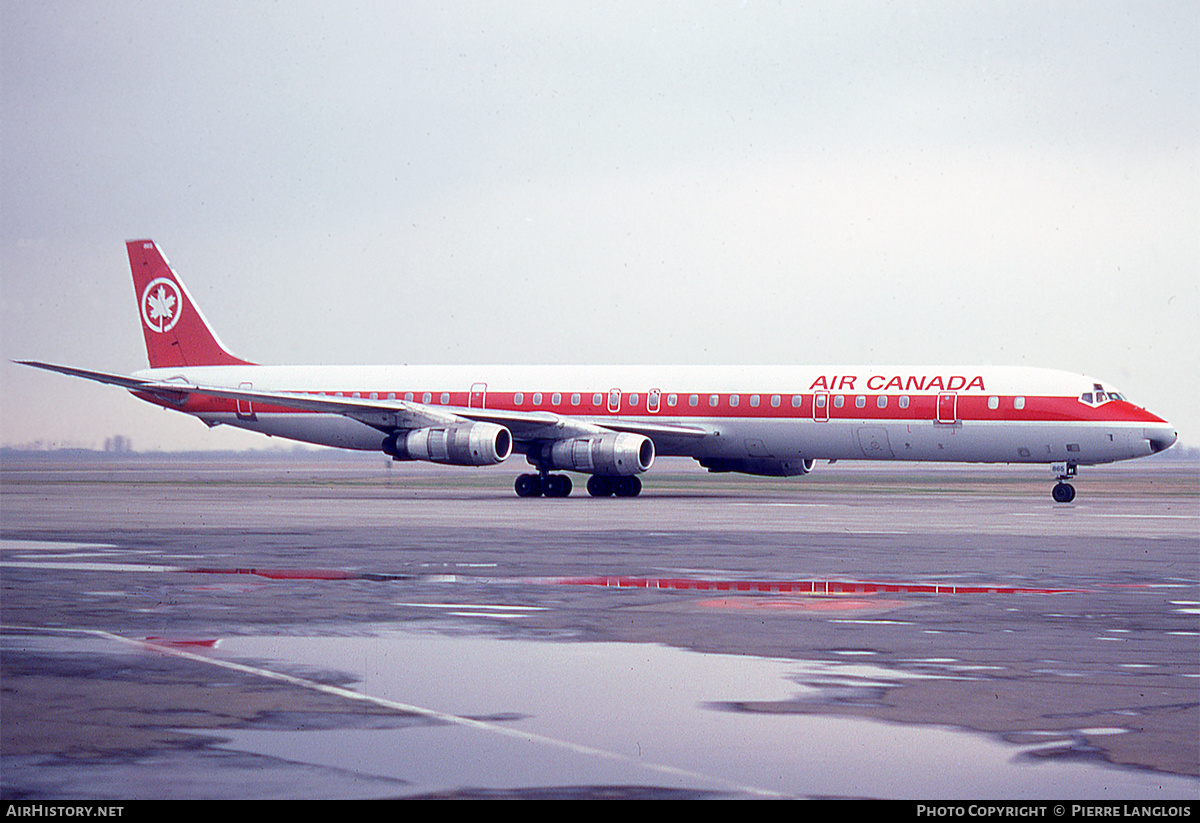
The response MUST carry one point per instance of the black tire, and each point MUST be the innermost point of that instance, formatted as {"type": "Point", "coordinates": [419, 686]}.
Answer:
{"type": "Point", "coordinates": [528, 485]}
{"type": "Point", "coordinates": [557, 485]}
{"type": "Point", "coordinates": [600, 486]}
{"type": "Point", "coordinates": [1063, 493]}
{"type": "Point", "coordinates": [627, 486]}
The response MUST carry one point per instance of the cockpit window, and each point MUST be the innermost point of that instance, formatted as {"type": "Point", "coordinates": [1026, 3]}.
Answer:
{"type": "Point", "coordinates": [1098, 396]}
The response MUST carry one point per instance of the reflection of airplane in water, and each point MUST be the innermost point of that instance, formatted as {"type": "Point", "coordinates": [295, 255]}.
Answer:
{"type": "Point", "coordinates": [609, 422]}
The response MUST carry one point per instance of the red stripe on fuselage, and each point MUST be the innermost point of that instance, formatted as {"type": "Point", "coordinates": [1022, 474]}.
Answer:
{"type": "Point", "coordinates": [970, 407]}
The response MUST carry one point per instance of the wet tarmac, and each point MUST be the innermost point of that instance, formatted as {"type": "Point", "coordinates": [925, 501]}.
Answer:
{"type": "Point", "coordinates": [286, 629]}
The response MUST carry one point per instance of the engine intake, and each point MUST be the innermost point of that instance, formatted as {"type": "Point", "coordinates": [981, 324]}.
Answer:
{"type": "Point", "coordinates": [466, 444]}
{"type": "Point", "coordinates": [619, 454]}
{"type": "Point", "coordinates": [764, 466]}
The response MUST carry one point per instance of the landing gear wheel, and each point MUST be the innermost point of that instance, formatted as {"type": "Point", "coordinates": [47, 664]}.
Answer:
{"type": "Point", "coordinates": [600, 486]}
{"type": "Point", "coordinates": [1063, 493]}
{"type": "Point", "coordinates": [627, 486]}
{"type": "Point", "coordinates": [528, 485]}
{"type": "Point", "coordinates": [556, 485]}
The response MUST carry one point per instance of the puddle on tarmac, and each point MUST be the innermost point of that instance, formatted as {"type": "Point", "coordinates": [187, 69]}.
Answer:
{"type": "Point", "coordinates": [553, 713]}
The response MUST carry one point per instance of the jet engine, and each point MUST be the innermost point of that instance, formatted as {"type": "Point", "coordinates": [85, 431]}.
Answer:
{"type": "Point", "coordinates": [614, 455]}
{"type": "Point", "coordinates": [464, 444]}
{"type": "Point", "coordinates": [765, 466]}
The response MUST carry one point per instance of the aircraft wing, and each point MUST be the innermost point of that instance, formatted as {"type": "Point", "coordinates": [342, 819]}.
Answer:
{"type": "Point", "coordinates": [405, 414]}
{"type": "Point", "coordinates": [390, 414]}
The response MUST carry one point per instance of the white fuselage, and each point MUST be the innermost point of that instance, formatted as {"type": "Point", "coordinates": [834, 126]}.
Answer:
{"type": "Point", "coordinates": [958, 413]}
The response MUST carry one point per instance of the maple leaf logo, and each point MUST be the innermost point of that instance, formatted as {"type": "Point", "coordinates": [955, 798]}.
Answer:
{"type": "Point", "coordinates": [161, 302]}
{"type": "Point", "coordinates": [162, 305]}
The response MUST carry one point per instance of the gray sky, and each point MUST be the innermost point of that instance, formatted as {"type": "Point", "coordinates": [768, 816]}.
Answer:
{"type": "Point", "coordinates": [719, 182]}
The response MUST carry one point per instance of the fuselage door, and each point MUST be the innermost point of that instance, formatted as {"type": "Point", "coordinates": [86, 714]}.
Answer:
{"type": "Point", "coordinates": [652, 400]}
{"type": "Point", "coordinates": [614, 400]}
{"type": "Point", "coordinates": [947, 407]}
{"type": "Point", "coordinates": [821, 406]}
{"type": "Point", "coordinates": [478, 397]}
{"type": "Point", "coordinates": [245, 409]}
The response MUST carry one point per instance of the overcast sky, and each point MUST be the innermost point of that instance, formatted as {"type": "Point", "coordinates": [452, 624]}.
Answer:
{"type": "Point", "coordinates": [689, 182]}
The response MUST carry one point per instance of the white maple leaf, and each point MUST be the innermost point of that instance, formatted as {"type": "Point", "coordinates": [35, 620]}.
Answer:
{"type": "Point", "coordinates": [162, 305]}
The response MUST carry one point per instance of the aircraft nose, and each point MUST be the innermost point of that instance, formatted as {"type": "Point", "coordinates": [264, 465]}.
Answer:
{"type": "Point", "coordinates": [1161, 437]}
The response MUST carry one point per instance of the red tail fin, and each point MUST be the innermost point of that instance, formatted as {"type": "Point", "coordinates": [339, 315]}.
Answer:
{"type": "Point", "coordinates": [176, 332]}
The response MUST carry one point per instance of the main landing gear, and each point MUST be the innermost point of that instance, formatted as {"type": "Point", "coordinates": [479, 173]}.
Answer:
{"type": "Point", "coordinates": [539, 485]}
{"type": "Point", "coordinates": [559, 485]}
{"type": "Point", "coordinates": [1063, 491]}
{"type": "Point", "coordinates": [599, 485]}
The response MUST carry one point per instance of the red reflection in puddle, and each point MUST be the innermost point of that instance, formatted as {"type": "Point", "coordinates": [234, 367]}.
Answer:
{"type": "Point", "coordinates": [810, 604]}
{"type": "Point", "coordinates": [799, 586]}
{"type": "Point", "coordinates": [176, 643]}
{"type": "Point", "coordinates": [285, 574]}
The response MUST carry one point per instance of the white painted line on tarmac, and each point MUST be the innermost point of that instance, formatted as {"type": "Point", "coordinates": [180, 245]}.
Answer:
{"type": "Point", "coordinates": [433, 714]}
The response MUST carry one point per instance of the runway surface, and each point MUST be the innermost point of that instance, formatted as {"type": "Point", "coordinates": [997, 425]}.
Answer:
{"type": "Point", "coordinates": [340, 628]}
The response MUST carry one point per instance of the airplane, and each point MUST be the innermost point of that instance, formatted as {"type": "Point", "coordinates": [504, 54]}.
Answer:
{"type": "Point", "coordinates": [610, 422]}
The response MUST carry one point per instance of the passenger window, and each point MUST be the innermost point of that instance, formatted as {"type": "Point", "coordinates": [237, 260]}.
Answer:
{"type": "Point", "coordinates": [754, 401]}
{"type": "Point", "coordinates": [694, 400]}
{"type": "Point", "coordinates": [820, 401]}
{"type": "Point", "coordinates": [597, 399]}
{"type": "Point", "coordinates": [734, 400]}
{"type": "Point", "coordinates": [993, 403]}
{"type": "Point", "coordinates": [445, 397]}
{"type": "Point", "coordinates": [408, 396]}
{"type": "Point", "coordinates": [904, 401]}
{"type": "Point", "coordinates": [775, 399]}
{"type": "Point", "coordinates": [633, 399]}
{"type": "Point", "coordinates": [1018, 402]}
{"type": "Point", "coordinates": [518, 398]}
{"type": "Point", "coordinates": [556, 398]}
{"type": "Point", "coordinates": [537, 398]}
{"type": "Point", "coordinates": [426, 397]}
{"type": "Point", "coordinates": [575, 398]}
{"type": "Point", "coordinates": [714, 399]}
{"type": "Point", "coordinates": [839, 401]}
{"type": "Point", "coordinates": [860, 401]}
{"type": "Point", "coordinates": [797, 400]}
{"type": "Point", "coordinates": [881, 401]}
{"type": "Point", "coordinates": [672, 399]}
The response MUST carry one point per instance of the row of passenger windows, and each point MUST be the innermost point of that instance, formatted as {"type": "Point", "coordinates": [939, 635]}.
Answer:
{"type": "Point", "coordinates": [672, 400]}
{"type": "Point", "coordinates": [882, 400]}
{"type": "Point", "coordinates": [693, 400]}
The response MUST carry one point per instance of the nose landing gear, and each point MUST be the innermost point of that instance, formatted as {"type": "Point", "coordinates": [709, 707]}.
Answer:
{"type": "Point", "coordinates": [1063, 491]}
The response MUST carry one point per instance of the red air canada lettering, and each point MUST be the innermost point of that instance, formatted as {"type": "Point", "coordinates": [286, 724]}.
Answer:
{"type": "Point", "coordinates": [911, 382]}
{"type": "Point", "coordinates": [845, 383]}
